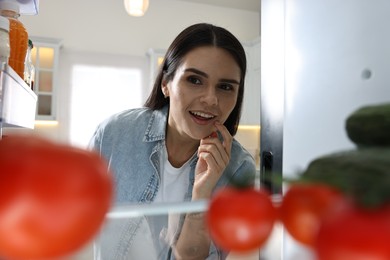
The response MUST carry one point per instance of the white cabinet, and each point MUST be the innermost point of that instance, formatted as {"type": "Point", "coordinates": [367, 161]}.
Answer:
{"type": "Point", "coordinates": [45, 57]}
{"type": "Point", "coordinates": [156, 57]}
{"type": "Point", "coordinates": [251, 106]}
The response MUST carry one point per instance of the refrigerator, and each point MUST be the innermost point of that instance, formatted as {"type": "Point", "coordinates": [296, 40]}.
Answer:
{"type": "Point", "coordinates": [320, 61]}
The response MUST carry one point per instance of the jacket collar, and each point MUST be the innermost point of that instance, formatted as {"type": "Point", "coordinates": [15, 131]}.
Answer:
{"type": "Point", "coordinates": [156, 128]}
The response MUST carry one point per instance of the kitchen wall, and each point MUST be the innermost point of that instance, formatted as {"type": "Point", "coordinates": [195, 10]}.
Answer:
{"type": "Point", "coordinates": [100, 32]}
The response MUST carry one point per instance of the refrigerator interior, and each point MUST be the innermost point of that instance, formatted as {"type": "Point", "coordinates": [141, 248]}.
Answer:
{"type": "Point", "coordinates": [321, 60]}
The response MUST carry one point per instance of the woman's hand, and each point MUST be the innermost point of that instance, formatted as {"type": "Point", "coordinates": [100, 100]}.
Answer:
{"type": "Point", "coordinates": [214, 156]}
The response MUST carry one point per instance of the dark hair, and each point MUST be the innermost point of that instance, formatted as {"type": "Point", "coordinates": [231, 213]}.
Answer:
{"type": "Point", "coordinates": [197, 35]}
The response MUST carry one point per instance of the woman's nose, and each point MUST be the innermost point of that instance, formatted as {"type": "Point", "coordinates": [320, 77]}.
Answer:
{"type": "Point", "coordinates": [209, 97]}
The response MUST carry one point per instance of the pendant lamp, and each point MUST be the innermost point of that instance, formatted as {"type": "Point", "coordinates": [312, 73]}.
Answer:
{"type": "Point", "coordinates": [136, 7]}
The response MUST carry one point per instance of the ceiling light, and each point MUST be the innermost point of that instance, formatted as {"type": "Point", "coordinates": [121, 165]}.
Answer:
{"type": "Point", "coordinates": [136, 7]}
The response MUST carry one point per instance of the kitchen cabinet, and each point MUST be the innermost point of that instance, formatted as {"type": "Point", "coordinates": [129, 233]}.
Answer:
{"type": "Point", "coordinates": [156, 57]}
{"type": "Point", "coordinates": [45, 57]}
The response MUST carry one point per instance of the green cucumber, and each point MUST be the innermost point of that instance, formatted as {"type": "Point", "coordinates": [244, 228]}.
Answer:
{"type": "Point", "coordinates": [370, 126]}
{"type": "Point", "coordinates": [364, 174]}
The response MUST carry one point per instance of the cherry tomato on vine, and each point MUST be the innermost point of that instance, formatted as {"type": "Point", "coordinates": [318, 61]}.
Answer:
{"type": "Point", "coordinates": [303, 208]}
{"type": "Point", "coordinates": [240, 220]}
{"type": "Point", "coordinates": [356, 233]}
{"type": "Point", "coordinates": [53, 197]}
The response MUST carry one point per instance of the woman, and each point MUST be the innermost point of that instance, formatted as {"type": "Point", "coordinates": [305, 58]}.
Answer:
{"type": "Point", "coordinates": [180, 146]}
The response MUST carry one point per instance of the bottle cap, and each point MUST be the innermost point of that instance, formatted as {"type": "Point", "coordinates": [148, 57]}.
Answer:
{"type": "Point", "coordinates": [8, 5]}
{"type": "Point", "coordinates": [4, 23]}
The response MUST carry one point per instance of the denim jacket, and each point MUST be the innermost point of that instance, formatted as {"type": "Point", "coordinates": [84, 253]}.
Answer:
{"type": "Point", "coordinates": [132, 142]}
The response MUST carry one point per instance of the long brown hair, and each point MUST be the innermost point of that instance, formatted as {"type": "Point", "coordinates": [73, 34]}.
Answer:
{"type": "Point", "coordinates": [202, 34]}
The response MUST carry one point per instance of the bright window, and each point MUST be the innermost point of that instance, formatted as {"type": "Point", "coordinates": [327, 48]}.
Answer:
{"type": "Point", "coordinates": [98, 92]}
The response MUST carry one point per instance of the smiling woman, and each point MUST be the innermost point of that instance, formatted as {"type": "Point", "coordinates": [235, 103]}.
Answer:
{"type": "Point", "coordinates": [179, 147]}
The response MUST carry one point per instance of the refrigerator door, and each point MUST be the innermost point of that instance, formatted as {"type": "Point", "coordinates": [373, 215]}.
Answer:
{"type": "Point", "coordinates": [325, 59]}
{"type": "Point", "coordinates": [337, 59]}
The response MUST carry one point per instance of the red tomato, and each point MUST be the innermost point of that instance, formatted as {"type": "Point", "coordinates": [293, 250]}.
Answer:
{"type": "Point", "coordinates": [303, 208]}
{"type": "Point", "coordinates": [240, 220]}
{"type": "Point", "coordinates": [53, 197]}
{"type": "Point", "coordinates": [355, 233]}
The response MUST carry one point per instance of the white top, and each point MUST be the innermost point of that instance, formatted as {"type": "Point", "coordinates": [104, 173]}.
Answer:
{"type": "Point", "coordinates": [173, 187]}
{"type": "Point", "coordinates": [174, 181]}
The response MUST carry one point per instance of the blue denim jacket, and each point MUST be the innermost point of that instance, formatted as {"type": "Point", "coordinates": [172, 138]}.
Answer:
{"type": "Point", "coordinates": [132, 142]}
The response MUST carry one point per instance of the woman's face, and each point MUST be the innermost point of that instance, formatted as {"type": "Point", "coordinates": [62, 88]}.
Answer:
{"type": "Point", "coordinates": [203, 90]}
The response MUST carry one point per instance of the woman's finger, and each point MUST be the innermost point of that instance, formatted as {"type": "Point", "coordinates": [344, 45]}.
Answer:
{"type": "Point", "coordinates": [216, 149]}
{"type": "Point", "coordinates": [227, 138]}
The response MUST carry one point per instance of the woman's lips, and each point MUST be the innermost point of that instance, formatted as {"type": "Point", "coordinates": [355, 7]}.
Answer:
{"type": "Point", "coordinates": [202, 117]}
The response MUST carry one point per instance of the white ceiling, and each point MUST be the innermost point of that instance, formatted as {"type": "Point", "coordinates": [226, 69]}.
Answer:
{"type": "Point", "coordinates": [249, 5]}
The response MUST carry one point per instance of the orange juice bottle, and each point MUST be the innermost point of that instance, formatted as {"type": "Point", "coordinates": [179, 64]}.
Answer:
{"type": "Point", "coordinates": [18, 36]}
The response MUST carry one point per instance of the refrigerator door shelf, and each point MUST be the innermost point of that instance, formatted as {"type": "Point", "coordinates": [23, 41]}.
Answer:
{"type": "Point", "coordinates": [17, 101]}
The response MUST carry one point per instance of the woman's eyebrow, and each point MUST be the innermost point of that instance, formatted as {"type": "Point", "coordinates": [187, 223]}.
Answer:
{"type": "Point", "coordinates": [199, 72]}
{"type": "Point", "coordinates": [232, 81]}
{"type": "Point", "coordinates": [196, 71]}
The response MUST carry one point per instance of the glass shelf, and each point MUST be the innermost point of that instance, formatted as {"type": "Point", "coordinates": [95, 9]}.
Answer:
{"type": "Point", "coordinates": [148, 216]}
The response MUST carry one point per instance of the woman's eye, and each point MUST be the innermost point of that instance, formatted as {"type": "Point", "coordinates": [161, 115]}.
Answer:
{"type": "Point", "coordinates": [194, 80]}
{"type": "Point", "coordinates": [226, 86]}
